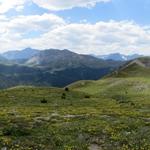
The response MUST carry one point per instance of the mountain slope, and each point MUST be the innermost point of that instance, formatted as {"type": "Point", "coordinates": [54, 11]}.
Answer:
{"type": "Point", "coordinates": [135, 68]}
{"type": "Point", "coordinates": [64, 59]}
{"type": "Point", "coordinates": [18, 55]}
{"type": "Point", "coordinates": [54, 68]}
{"type": "Point", "coordinates": [3, 60]}
{"type": "Point", "coordinates": [13, 75]}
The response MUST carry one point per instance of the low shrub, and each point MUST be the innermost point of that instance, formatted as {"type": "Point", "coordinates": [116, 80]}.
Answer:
{"type": "Point", "coordinates": [67, 89]}
{"type": "Point", "coordinates": [15, 131]}
{"type": "Point", "coordinates": [87, 96]}
{"type": "Point", "coordinates": [44, 101]}
{"type": "Point", "coordinates": [63, 96]}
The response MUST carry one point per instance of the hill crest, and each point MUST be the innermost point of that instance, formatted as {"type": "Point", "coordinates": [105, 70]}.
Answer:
{"type": "Point", "coordinates": [135, 68]}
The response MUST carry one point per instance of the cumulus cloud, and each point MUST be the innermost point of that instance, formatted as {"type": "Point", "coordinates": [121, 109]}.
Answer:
{"type": "Point", "coordinates": [18, 28]}
{"type": "Point", "coordinates": [42, 23]}
{"type": "Point", "coordinates": [66, 4]}
{"type": "Point", "coordinates": [6, 5]}
{"type": "Point", "coordinates": [54, 32]}
{"type": "Point", "coordinates": [99, 38]}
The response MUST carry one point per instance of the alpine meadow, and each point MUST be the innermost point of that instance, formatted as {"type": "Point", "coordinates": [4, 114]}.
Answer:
{"type": "Point", "coordinates": [74, 75]}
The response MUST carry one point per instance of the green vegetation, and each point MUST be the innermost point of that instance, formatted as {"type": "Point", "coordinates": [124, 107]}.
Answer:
{"type": "Point", "coordinates": [108, 114]}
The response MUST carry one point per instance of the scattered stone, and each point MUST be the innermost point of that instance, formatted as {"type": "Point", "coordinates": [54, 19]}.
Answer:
{"type": "Point", "coordinates": [94, 147]}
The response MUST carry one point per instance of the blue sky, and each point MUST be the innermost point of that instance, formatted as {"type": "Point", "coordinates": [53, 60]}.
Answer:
{"type": "Point", "coordinates": [137, 10]}
{"type": "Point", "coordinates": [83, 26]}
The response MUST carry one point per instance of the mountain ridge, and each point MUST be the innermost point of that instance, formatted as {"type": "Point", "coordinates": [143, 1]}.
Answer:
{"type": "Point", "coordinates": [20, 54]}
{"type": "Point", "coordinates": [139, 67]}
{"type": "Point", "coordinates": [62, 59]}
{"type": "Point", "coordinates": [54, 67]}
{"type": "Point", "coordinates": [119, 57]}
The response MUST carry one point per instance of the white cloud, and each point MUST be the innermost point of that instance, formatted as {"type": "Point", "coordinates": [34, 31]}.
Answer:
{"type": "Point", "coordinates": [18, 28]}
{"type": "Point", "coordinates": [66, 4]}
{"type": "Point", "coordinates": [43, 23]}
{"type": "Point", "coordinates": [54, 32]}
{"type": "Point", "coordinates": [100, 38]}
{"type": "Point", "coordinates": [24, 24]}
{"type": "Point", "coordinates": [6, 5]}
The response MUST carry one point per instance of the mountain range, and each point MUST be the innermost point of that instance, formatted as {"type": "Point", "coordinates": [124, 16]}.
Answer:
{"type": "Point", "coordinates": [119, 57]}
{"type": "Point", "coordinates": [51, 67]}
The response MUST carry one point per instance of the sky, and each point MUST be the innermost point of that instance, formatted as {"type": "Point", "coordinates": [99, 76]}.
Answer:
{"type": "Point", "coordinates": [84, 26]}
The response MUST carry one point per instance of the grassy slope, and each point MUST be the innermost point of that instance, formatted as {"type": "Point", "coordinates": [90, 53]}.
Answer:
{"type": "Point", "coordinates": [126, 103]}
{"type": "Point", "coordinates": [134, 69]}
{"type": "Point", "coordinates": [110, 114]}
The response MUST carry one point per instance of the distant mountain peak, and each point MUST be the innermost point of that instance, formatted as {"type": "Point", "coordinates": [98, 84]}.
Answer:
{"type": "Point", "coordinates": [28, 49]}
{"type": "Point", "coordinates": [61, 59]}
{"type": "Point", "coordinates": [119, 57]}
{"type": "Point", "coordinates": [20, 54]}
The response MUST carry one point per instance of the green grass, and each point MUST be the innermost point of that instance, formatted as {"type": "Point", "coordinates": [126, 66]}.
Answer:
{"type": "Point", "coordinates": [133, 69]}
{"type": "Point", "coordinates": [109, 114]}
